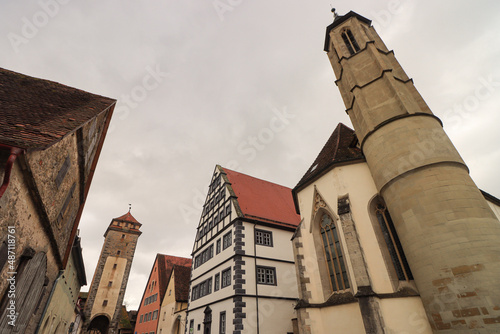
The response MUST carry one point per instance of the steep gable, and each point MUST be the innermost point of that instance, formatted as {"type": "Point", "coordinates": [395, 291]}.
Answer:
{"type": "Point", "coordinates": [36, 113]}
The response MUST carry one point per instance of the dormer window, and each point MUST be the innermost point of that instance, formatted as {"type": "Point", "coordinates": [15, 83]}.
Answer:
{"type": "Point", "coordinates": [350, 42]}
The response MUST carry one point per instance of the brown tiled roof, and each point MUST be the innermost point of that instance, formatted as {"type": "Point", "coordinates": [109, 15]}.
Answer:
{"type": "Point", "coordinates": [36, 113]}
{"type": "Point", "coordinates": [340, 148]}
{"type": "Point", "coordinates": [165, 265]}
{"type": "Point", "coordinates": [127, 218]}
{"type": "Point", "coordinates": [182, 276]}
{"type": "Point", "coordinates": [263, 200]}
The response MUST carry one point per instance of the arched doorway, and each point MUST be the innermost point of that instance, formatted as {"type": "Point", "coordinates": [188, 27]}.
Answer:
{"type": "Point", "coordinates": [99, 325]}
{"type": "Point", "coordinates": [207, 321]}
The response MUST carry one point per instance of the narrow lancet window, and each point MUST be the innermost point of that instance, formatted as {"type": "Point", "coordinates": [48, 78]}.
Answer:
{"type": "Point", "coordinates": [333, 254]}
{"type": "Point", "coordinates": [350, 42]}
{"type": "Point", "coordinates": [393, 244]}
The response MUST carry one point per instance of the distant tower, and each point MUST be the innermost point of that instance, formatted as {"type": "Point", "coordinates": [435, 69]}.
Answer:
{"type": "Point", "coordinates": [105, 298]}
{"type": "Point", "coordinates": [450, 235]}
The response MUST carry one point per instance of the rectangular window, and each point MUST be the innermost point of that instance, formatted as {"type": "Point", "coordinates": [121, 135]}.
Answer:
{"type": "Point", "coordinates": [222, 323]}
{"type": "Point", "coordinates": [226, 278]}
{"type": "Point", "coordinates": [226, 240]}
{"type": "Point", "coordinates": [114, 266]}
{"type": "Point", "coordinates": [266, 275]}
{"type": "Point", "coordinates": [205, 255]}
{"type": "Point", "coordinates": [217, 282]}
{"type": "Point", "coordinates": [191, 326]}
{"type": "Point", "coordinates": [105, 302]}
{"type": "Point", "coordinates": [264, 238]}
{"type": "Point", "coordinates": [142, 317]}
{"type": "Point", "coordinates": [218, 246]}
{"type": "Point", "coordinates": [110, 283]}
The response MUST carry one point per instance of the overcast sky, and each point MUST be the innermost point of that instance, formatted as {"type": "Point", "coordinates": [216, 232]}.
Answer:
{"type": "Point", "coordinates": [244, 84]}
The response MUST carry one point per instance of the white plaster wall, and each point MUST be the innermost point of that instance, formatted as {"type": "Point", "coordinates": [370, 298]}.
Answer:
{"type": "Point", "coordinates": [356, 181]}
{"type": "Point", "coordinates": [404, 316]}
{"type": "Point", "coordinates": [274, 316]}
{"type": "Point", "coordinates": [198, 316]}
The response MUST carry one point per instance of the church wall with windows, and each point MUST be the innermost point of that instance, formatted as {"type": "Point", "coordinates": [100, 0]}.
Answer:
{"type": "Point", "coordinates": [343, 261]}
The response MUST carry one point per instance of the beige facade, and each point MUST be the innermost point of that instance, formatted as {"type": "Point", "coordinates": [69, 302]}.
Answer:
{"type": "Point", "coordinates": [172, 317]}
{"type": "Point", "coordinates": [367, 266]}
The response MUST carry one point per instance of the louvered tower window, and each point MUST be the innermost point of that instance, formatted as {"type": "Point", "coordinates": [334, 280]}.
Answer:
{"type": "Point", "coordinates": [333, 254]}
{"type": "Point", "coordinates": [393, 244]}
{"type": "Point", "coordinates": [350, 42]}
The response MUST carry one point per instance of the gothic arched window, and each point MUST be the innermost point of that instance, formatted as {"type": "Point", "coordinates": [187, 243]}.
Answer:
{"type": "Point", "coordinates": [393, 244]}
{"type": "Point", "coordinates": [350, 41]}
{"type": "Point", "coordinates": [333, 254]}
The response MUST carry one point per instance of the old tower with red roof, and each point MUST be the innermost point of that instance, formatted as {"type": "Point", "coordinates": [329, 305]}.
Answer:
{"type": "Point", "coordinates": [105, 298]}
{"type": "Point", "coordinates": [243, 277]}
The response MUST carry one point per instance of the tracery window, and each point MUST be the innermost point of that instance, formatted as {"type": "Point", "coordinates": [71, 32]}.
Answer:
{"type": "Point", "coordinates": [393, 244]}
{"type": "Point", "coordinates": [350, 41]}
{"type": "Point", "coordinates": [333, 254]}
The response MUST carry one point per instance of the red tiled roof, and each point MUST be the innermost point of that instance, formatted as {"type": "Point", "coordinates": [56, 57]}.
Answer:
{"type": "Point", "coordinates": [36, 113]}
{"type": "Point", "coordinates": [127, 218]}
{"type": "Point", "coordinates": [263, 200]}
{"type": "Point", "coordinates": [340, 148]}
{"type": "Point", "coordinates": [165, 265]}
{"type": "Point", "coordinates": [182, 276]}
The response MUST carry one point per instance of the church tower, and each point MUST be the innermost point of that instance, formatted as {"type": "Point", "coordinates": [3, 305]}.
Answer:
{"type": "Point", "coordinates": [450, 235]}
{"type": "Point", "coordinates": [107, 290]}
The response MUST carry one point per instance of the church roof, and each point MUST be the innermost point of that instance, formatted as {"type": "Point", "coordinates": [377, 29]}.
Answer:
{"type": "Point", "coordinates": [127, 218]}
{"type": "Point", "coordinates": [36, 113]}
{"type": "Point", "coordinates": [263, 200]}
{"type": "Point", "coordinates": [182, 277]}
{"type": "Point", "coordinates": [340, 148]}
{"type": "Point", "coordinates": [166, 264]}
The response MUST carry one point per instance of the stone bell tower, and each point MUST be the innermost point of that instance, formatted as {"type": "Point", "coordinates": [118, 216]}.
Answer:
{"type": "Point", "coordinates": [449, 234]}
{"type": "Point", "coordinates": [105, 299]}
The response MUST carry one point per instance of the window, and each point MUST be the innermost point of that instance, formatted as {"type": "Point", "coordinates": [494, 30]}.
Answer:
{"type": "Point", "coordinates": [217, 251]}
{"type": "Point", "coordinates": [264, 238]}
{"type": "Point", "coordinates": [142, 317]}
{"type": "Point", "coordinates": [333, 254]}
{"type": "Point", "coordinates": [105, 302]}
{"type": "Point", "coordinates": [110, 283]}
{"type": "Point", "coordinates": [350, 42]}
{"type": "Point", "coordinates": [217, 282]}
{"type": "Point", "coordinates": [191, 326]}
{"type": "Point", "coordinates": [114, 266]}
{"type": "Point", "coordinates": [202, 289]}
{"type": "Point", "coordinates": [393, 244]}
{"type": "Point", "coordinates": [123, 236]}
{"type": "Point", "coordinates": [222, 323]}
{"type": "Point", "coordinates": [170, 292]}
{"type": "Point", "coordinates": [155, 315]}
{"type": "Point", "coordinates": [204, 256]}
{"type": "Point", "coordinates": [266, 275]}
{"type": "Point", "coordinates": [226, 240]}
{"type": "Point", "coordinates": [118, 253]}
{"type": "Point", "coordinates": [226, 278]}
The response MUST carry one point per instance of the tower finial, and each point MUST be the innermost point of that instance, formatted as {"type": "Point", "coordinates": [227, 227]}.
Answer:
{"type": "Point", "coordinates": [334, 13]}
{"type": "Point", "coordinates": [129, 207]}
